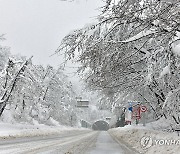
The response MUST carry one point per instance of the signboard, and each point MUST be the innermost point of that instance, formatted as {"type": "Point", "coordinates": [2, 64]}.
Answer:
{"type": "Point", "coordinates": [78, 98]}
{"type": "Point", "coordinates": [83, 104]}
{"type": "Point", "coordinates": [128, 116]}
{"type": "Point", "coordinates": [136, 112]}
{"type": "Point", "coordinates": [130, 108]}
{"type": "Point", "coordinates": [108, 118]}
{"type": "Point", "coordinates": [133, 103]}
{"type": "Point", "coordinates": [143, 108]}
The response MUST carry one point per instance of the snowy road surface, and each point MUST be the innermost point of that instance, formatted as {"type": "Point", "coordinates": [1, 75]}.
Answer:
{"type": "Point", "coordinates": [89, 142]}
{"type": "Point", "coordinates": [72, 143]}
{"type": "Point", "coordinates": [106, 145]}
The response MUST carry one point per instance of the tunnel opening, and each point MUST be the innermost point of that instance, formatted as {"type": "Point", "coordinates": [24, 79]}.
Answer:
{"type": "Point", "coordinates": [100, 125]}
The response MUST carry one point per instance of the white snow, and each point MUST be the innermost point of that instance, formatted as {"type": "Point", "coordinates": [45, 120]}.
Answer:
{"type": "Point", "coordinates": [54, 122]}
{"type": "Point", "coordinates": [128, 115]}
{"type": "Point", "coordinates": [176, 49]}
{"type": "Point", "coordinates": [166, 70]}
{"type": "Point", "coordinates": [176, 44]}
{"type": "Point", "coordinates": [132, 136]}
{"type": "Point", "coordinates": [140, 35]}
{"type": "Point", "coordinates": [66, 142]}
{"type": "Point", "coordinates": [105, 144]}
{"type": "Point", "coordinates": [8, 130]}
{"type": "Point", "coordinates": [167, 98]}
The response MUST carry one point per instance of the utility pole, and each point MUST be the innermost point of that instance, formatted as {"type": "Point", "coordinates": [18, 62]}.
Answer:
{"type": "Point", "coordinates": [144, 118]}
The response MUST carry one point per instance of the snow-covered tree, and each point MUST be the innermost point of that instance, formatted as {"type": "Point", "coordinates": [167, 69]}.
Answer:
{"type": "Point", "coordinates": [133, 47]}
{"type": "Point", "coordinates": [33, 93]}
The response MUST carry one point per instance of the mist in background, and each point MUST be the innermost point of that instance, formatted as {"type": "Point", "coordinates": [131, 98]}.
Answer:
{"type": "Point", "coordinates": [36, 27]}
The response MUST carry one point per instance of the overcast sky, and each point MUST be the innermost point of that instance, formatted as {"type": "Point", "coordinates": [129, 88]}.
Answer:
{"type": "Point", "coordinates": [36, 27]}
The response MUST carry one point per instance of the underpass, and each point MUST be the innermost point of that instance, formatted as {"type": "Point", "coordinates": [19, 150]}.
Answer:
{"type": "Point", "coordinates": [100, 125]}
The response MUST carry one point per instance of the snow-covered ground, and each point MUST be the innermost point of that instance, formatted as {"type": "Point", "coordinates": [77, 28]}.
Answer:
{"type": "Point", "coordinates": [20, 137]}
{"type": "Point", "coordinates": [15, 130]}
{"type": "Point", "coordinates": [75, 143]}
{"type": "Point", "coordinates": [38, 138]}
{"type": "Point", "coordinates": [146, 140]}
{"type": "Point", "coordinates": [106, 145]}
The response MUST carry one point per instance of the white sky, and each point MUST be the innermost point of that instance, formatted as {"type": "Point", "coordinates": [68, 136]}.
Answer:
{"type": "Point", "coordinates": [36, 27]}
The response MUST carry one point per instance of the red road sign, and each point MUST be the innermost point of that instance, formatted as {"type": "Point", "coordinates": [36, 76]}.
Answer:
{"type": "Point", "coordinates": [143, 108]}
{"type": "Point", "coordinates": [136, 112]}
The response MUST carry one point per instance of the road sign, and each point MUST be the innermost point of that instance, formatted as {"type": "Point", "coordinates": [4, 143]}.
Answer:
{"type": "Point", "coordinates": [130, 108]}
{"type": "Point", "coordinates": [136, 112]}
{"type": "Point", "coordinates": [143, 108]}
{"type": "Point", "coordinates": [82, 104]}
{"type": "Point", "coordinates": [128, 115]}
{"type": "Point", "coordinates": [133, 103]}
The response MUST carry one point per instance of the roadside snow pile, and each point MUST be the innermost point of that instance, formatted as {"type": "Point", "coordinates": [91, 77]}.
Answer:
{"type": "Point", "coordinates": [147, 141]}
{"type": "Point", "coordinates": [8, 130]}
{"type": "Point", "coordinates": [161, 124]}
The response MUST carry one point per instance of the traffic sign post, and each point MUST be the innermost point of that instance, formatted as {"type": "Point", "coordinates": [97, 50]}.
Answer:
{"type": "Point", "coordinates": [144, 118]}
{"type": "Point", "coordinates": [143, 114]}
{"type": "Point", "coordinates": [136, 112]}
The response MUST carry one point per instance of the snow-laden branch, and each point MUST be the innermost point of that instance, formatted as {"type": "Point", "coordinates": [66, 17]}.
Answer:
{"type": "Point", "coordinates": [140, 35]}
{"type": "Point", "coordinates": [6, 96]}
{"type": "Point", "coordinates": [169, 95]}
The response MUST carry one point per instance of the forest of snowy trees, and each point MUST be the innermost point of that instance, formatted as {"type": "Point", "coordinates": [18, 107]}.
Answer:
{"type": "Point", "coordinates": [33, 93]}
{"type": "Point", "coordinates": [133, 51]}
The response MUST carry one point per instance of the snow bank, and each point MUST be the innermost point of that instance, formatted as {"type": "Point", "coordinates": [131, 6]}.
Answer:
{"type": "Point", "coordinates": [8, 130]}
{"type": "Point", "coordinates": [146, 140]}
{"type": "Point", "coordinates": [161, 124]}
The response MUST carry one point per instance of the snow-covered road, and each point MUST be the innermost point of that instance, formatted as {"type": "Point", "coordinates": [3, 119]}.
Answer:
{"type": "Point", "coordinates": [74, 142]}
{"type": "Point", "coordinates": [106, 145]}
{"type": "Point", "coordinates": [69, 143]}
